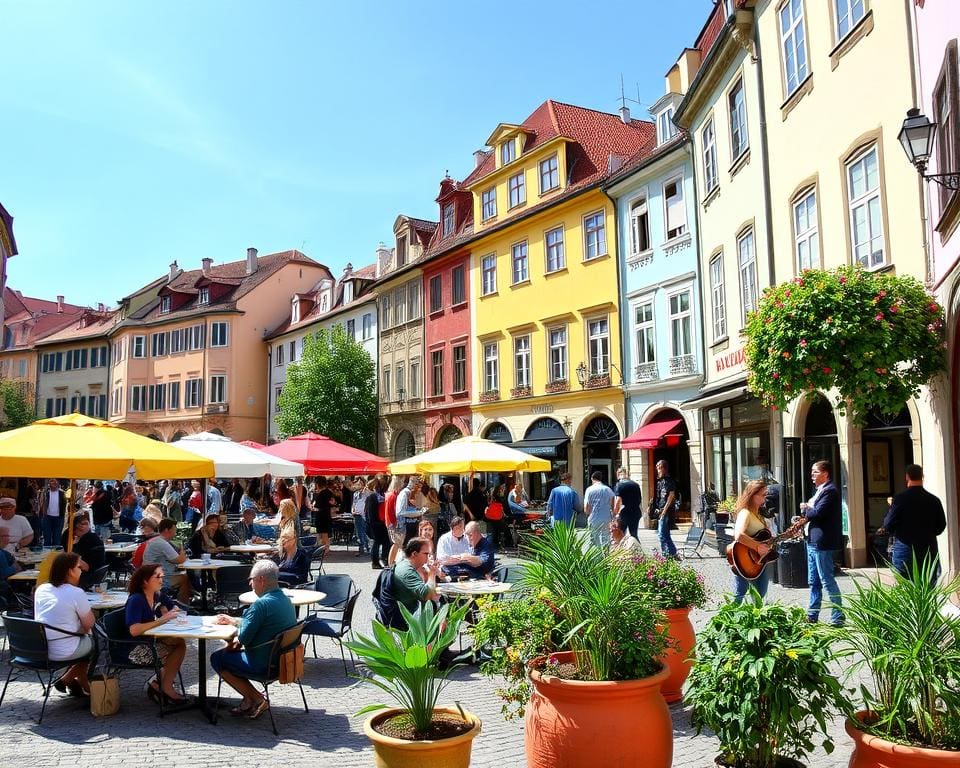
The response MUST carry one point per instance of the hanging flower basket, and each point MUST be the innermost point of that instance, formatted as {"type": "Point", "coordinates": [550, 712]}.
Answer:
{"type": "Point", "coordinates": [518, 392]}
{"type": "Point", "coordinates": [558, 385]}
{"type": "Point", "coordinates": [875, 338]}
{"type": "Point", "coordinates": [490, 396]}
{"type": "Point", "coordinates": [597, 380]}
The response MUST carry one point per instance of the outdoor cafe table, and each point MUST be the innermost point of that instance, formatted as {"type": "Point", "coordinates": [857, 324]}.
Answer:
{"type": "Point", "coordinates": [205, 566]}
{"type": "Point", "coordinates": [297, 596]}
{"type": "Point", "coordinates": [33, 557]}
{"type": "Point", "coordinates": [106, 601]}
{"type": "Point", "coordinates": [30, 575]}
{"type": "Point", "coordinates": [473, 588]}
{"type": "Point", "coordinates": [250, 549]}
{"type": "Point", "coordinates": [123, 548]}
{"type": "Point", "coordinates": [201, 629]}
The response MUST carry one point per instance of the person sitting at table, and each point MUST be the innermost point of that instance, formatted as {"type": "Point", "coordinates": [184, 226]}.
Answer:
{"type": "Point", "coordinates": [518, 502]}
{"type": "Point", "coordinates": [147, 608]}
{"type": "Point", "coordinates": [153, 512]}
{"type": "Point", "coordinates": [160, 550]}
{"type": "Point", "coordinates": [286, 517]}
{"type": "Point", "coordinates": [453, 546]}
{"type": "Point", "coordinates": [247, 530]}
{"type": "Point", "coordinates": [148, 529]}
{"type": "Point", "coordinates": [425, 531]}
{"type": "Point", "coordinates": [209, 539]}
{"type": "Point", "coordinates": [292, 560]}
{"type": "Point", "coordinates": [61, 604]}
{"type": "Point", "coordinates": [477, 563]}
{"type": "Point", "coordinates": [415, 577]}
{"type": "Point", "coordinates": [8, 567]}
{"type": "Point", "coordinates": [247, 500]}
{"type": "Point", "coordinates": [130, 512]}
{"type": "Point", "coordinates": [20, 530]}
{"type": "Point", "coordinates": [621, 542]}
{"type": "Point", "coordinates": [270, 614]}
{"type": "Point", "coordinates": [85, 543]}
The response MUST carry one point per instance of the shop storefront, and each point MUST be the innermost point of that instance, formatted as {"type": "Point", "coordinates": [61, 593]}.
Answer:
{"type": "Point", "coordinates": [736, 445]}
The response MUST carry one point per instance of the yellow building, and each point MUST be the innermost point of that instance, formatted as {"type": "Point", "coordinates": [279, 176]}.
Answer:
{"type": "Point", "coordinates": [547, 375]}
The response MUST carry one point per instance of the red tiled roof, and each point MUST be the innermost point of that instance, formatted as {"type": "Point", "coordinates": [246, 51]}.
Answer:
{"type": "Point", "coordinates": [40, 316]}
{"type": "Point", "coordinates": [11, 302]}
{"type": "Point", "coordinates": [711, 29]}
{"type": "Point", "coordinates": [97, 324]}
{"type": "Point", "coordinates": [368, 272]}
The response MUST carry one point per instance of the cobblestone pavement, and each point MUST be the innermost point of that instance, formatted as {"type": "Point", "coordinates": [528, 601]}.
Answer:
{"type": "Point", "coordinates": [328, 735]}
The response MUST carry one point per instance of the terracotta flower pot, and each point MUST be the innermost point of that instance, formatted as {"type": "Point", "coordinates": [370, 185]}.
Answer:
{"type": "Point", "coordinates": [874, 752]}
{"type": "Point", "coordinates": [582, 724]}
{"type": "Point", "coordinates": [677, 656]}
{"type": "Point", "coordinates": [389, 752]}
{"type": "Point", "coordinates": [782, 762]}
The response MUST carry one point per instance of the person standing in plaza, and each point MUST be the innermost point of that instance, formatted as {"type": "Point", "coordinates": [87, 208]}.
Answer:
{"type": "Point", "coordinates": [375, 511]}
{"type": "Point", "coordinates": [915, 518]}
{"type": "Point", "coordinates": [358, 499]}
{"type": "Point", "coordinates": [750, 521]}
{"type": "Point", "coordinates": [562, 502]}
{"type": "Point", "coordinates": [598, 504]}
{"type": "Point", "coordinates": [626, 505]}
{"type": "Point", "coordinates": [53, 511]}
{"type": "Point", "coordinates": [664, 503]}
{"type": "Point", "coordinates": [824, 539]}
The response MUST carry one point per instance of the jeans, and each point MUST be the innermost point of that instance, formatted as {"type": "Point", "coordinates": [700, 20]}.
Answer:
{"type": "Point", "coordinates": [667, 547]}
{"type": "Point", "coordinates": [820, 575]}
{"type": "Point", "coordinates": [51, 527]}
{"type": "Point", "coordinates": [903, 557]}
{"type": "Point", "coordinates": [632, 522]}
{"type": "Point", "coordinates": [741, 586]}
{"type": "Point", "coordinates": [360, 528]}
{"type": "Point", "coordinates": [600, 534]}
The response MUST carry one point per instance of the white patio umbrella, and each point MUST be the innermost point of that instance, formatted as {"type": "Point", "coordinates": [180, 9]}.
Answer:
{"type": "Point", "coordinates": [234, 460]}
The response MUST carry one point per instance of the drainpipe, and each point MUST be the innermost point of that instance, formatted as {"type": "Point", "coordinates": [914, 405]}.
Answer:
{"type": "Point", "coordinates": [916, 98]}
{"type": "Point", "coordinates": [620, 319]}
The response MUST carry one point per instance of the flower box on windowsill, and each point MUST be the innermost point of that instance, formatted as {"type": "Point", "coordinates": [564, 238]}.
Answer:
{"type": "Point", "coordinates": [597, 380]}
{"type": "Point", "coordinates": [560, 385]}
{"type": "Point", "coordinates": [490, 396]}
{"type": "Point", "coordinates": [518, 392]}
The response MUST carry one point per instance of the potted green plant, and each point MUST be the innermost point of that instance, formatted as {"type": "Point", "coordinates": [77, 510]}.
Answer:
{"type": "Point", "coordinates": [911, 647]}
{"type": "Point", "coordinates": [762, 683]}
{"type": "Point", "coordinates": [405, 664]}
{"type": "Point", "coordinates": [675, 589]}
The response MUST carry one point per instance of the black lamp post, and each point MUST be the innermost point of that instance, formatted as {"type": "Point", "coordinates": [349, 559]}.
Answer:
{"type": "Point", "coordinates": [916, 138]}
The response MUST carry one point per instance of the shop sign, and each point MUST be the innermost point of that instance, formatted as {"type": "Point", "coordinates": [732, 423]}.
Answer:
{"type": "Point", "coordinates": [730, 360]}
{"type": "Point", "coordinates": [544, 408]}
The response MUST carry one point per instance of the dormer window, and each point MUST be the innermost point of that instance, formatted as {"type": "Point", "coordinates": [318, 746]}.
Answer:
{"type": "Point", "coordinates": [324, 302]}
{"type": "Point", "coordinates": [448, 219]}
{"type": "Point", "coordinates": [348, 291]}
{"type": "Point", "coordinates": [508, 152]}
{"type": "Point", "coordinates": [401, 250]}
{"type": "Point", "coordinates": [204, 296]}
{"type": "Point", "coordinates": [164, 304]}
{"type": "Point", "coordinates": [666, 130]}
{"type": "Point", "coordinates": [295, 310]}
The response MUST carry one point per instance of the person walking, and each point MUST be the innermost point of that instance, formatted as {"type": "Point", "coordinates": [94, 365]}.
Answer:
{"type": "Point", "coordinates": [824, 539]}
{"type": "Point", "coordinates": [53, 511]}
{"type": "Point", "coordinates": [562, 502]}
{"type": "Point", "coordinates": [664, 505]}
{"type": "Point", "coordinates": [626, 505]}
{"type": "Point", "coordinates": [915, 518]}
{"type": "Point", "coordinates": [598, 504]}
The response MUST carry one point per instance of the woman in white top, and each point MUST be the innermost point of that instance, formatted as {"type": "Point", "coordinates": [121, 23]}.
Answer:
{"type": "Point", "coordinates": [62, 604]}
{"type": "Point", "coordinates": [749, 523]}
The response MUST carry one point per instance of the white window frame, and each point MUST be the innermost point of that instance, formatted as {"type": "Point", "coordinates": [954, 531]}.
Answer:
{"type": "Point", "coordinates": [517, 186]}
{"type": "Point", "coordinates": [718, 297]}
{"type": "Point", "coordinates": [414, 302]}
{"type": "Point", "coordinates": [645, 331]}
{"type": "Point", "coordinates": [197, 337]}
{"type": "Point", "coordinates": [867, 202]}
{"type": "Point", "coordinates": [139, 346]}
{"type": "Point", "coordinates": [295, 310]}
{"type": "Point", "coordinates": [806, 231]}
{"type": "Point", "coordinates": [138, 398]}
{"type": "Point", "coordinates": [491, 367]}
{"type": "Point", "coordinates": [176, 341]}
{"type": "Point", "coordinates": [508, 152]}
{"type": "Point", "coordinates": [594, 235]}
{"type": "Point", "coordinates": [549, 171]}
{"type": "Point", "coordinates": [711, 174]}
{"type": "Point", "coordinates": [488, 269]}
{"type": "Point", "coordinates": [293, 350]}
{"type": "Point", "coordinates": [675, 227]}
{"type": "Point", "coordinates": [737, 111]}
{"type": "Point", "coordinates": [557, 354]}
{"type": "Point", "coordinates": [488, 204]}
{"type": "Point", "coordinates": [366, 326]}
{"type": "Point", "coordinates": [159, 344]}
{"type": "Point", "coordinates": [385, 309]}
{"type": "Point", "coordinates": [400, 305]}
{"type": "Point", "coordinates": [522, 361]}
{"type": "Point", "coordinates": [681, 321]}
{"type": "Point", "coordinates": [639, 212]}
{"type": "Point", "coordinates": [747, 269]}
{"type": "Point", "coordinates": [400, 379]}
{"type": "Point", "coordinates": [793, 44]}
{"type": "Point", "coordinates": [385, 384]}
{"type": "Point", "coordinates": [666, 130]}
{"type": "Point", "coordinates": [413, 380]}
{"type": "Point", "coordinates": [554, 249]}
{"type": "Point", "coordinates": [277, 391]}
{"type": "Point", "coordinates": [849, 12]}
{"type": "Point", "coordinates": [520, 262]}
{"type": "Point", "coordinates": [279, 354]}
{"type": "Point", "coordinates": [598, 345]}
{"type": "Point", "coordinates": [173, 395]}
{"type": "Point", "coordinates": [221, 338]}
{"type": "Point", "coordinates": [203, 296]}
{"type": "Point", "coordinates": [164, 305]}
{"type": "Point", "coordinates": [193, 393]}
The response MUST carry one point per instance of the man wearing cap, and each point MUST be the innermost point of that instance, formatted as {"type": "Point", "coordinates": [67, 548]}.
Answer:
{"type": "Point", "coordinates": [21, 534]}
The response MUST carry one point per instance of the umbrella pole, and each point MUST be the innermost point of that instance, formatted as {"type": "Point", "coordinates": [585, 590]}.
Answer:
{"type": "Point", "coordinates": [71, 511]}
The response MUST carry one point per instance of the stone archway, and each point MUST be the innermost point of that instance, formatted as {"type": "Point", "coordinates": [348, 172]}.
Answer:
{"type": "Point", "coordinates": [404, 446]}
{"type": "Point", "coordinates": [498, 433]}
{"type": "Point", "coordinates": [448, 434]}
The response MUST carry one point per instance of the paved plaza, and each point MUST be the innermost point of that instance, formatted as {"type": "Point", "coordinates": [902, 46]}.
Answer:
{"type": "Point", "coordinates": [329, 735]}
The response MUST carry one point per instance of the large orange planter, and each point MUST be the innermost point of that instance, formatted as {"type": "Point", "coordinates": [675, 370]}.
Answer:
{"type": "Point", "coordinates": [874, 752]}
{"type": "Point", "coordinates": [677, 658]}
{"type": "Point", "coordinates": [581, 724]}
{"type": "Point", "coordinates": [389, 752]}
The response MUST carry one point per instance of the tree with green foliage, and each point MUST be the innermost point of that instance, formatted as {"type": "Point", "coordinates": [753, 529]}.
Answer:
{"type": "Point", "coordinates": [17, 408]}
{"type": "Point", "coordinates": [331, 390]}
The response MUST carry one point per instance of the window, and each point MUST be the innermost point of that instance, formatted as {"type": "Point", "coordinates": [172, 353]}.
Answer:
{"type": "Point", "coordinates": [459, 286]}
{"type": "Point", "coordinates": [666, 130]}
{"type": "Point", "coordinates": [119, 350]}
{"type": "Point", "coordinates": [414, 305]}
{"type": "Point", "coordinates": [508, 152]}
{"type": "Point", "coordinates": [176, 341]}
{"type": "Point", "coordinates": [436, 293]}
{"type": "Point", "coordinates": [518, 190]}
{"type": "Point", "coordinates": [116, 403]}
{"type": "Point", "coordinates": [60, 406]}
{"type": "Point", "coordinates": [367, 327]}
{"type": "Point", "coordinates": [747, 260]}
{"type": "Point", "coordinates": [138, 394]}
{"type": "Point", "coordinates": [449, 219]}
{"type": "Point", "coordinates": [400, 305]}
{"type": "Point", "coordinates": [155, 397]}
{"type": "Point", "coordinates": [793, 44]}
{"type": "Point", "coordinates": [521, 361]}
{"type": "Point", "coordinates": [491, 367]}
{"type": "Point", "coordinates": [488, 202]}
{"type": "Point", "coordinates": [436, 365]}
{"type": "Point", "coordinates": [399, 373]}
{"type": "Point", "coordinates": [385, 388]}
{"type": "Point", "coordinates": [277, 391]}
{"type": "Point", "coordinates": [849, 13]}
{"type": "Point", "coordinates": [48, 412]}
{"type": "Point", "coordinates": [295, 310]}
{"type": "Point", "coordinates": [598, 345]}
{"type": "Point", "coordinates": [646, 336]}
{"type": "Point", "coordinates": [164, 305]}
{"type": "Point", "coordinates": [718, 297]}
{"type": "Point", "coordinates": [22, 368]}
{"type": "Point", "coordinates": [675, 210]}
{"type": "Point", "coordinates": [946, 105]}
{"type": "Point", "coordinates": [98, 357]}
{"type": "Point", "coordinates": [521, 271]}
{"type": "Point", "coordinates": [352, 329]}
{"type": "Point", "coordinates": [218, 389]}
{"type": "Point", "coordinates": [460, 368]}
{"type": "Point", "coordinates": [594, 236]}
{"type": "Point", "coordinates": [739, 141]}
{"type": "Point", "coordinates": [414, 380]}
{"type": "Point", "coordinates": [549, 174]}
{"type": "Point", "coordinates": [806, 233]}
{"type": "Point", "coordinates": [196, 336]}
{"type": "Point", "coordinates": [558, 354]}
{"type": "Point", "coordinates": [139, 347]}
{"type": "Point", "coordinates": [203, 297]}
{"type": "Point", "coordinates": [173, 395]}
{"type": "Point", "coordinates": [293, 351]}
{"type": "Point", "coordinates": [639, 226]}
{"type": "Point", "coordinates": [866, 216]}
{"type": "Point", "coordinates": [193, 393]}
{"type": "Point", "coordinates": [158, 344]}
{"type": "Point", "coordinates": [681, 342]}
{"type": "Point", "coordinates": [488, 267]}
{"type": "Point", "coordinates": [385, 311]}
{"type": "Point", "coordinates": [556, 258]}
{"type": "Point", "coordinates": [710, 177]}
{"type": "Point", "coordinates": [402, 248]}
{"type": "Point", "coordinates": [98, 406]}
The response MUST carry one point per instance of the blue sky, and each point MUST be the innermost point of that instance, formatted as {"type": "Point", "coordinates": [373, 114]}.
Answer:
{"type": "Point", "coordinates": [137, 133]}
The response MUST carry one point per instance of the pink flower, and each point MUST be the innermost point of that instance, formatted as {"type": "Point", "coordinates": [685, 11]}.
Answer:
{"type": "Point", "coordinates": [894, 309]}
{"type": "Point", "coordinates": [826, 369]}
{"type": "Point", "coordinates": [879, 317]}
{"type": "Point", "coordinates": [776, 375]}
{"type": "Point", "coordinates": [806, 370]}
{"type": "Point", "coordinates": [882, 294]}
{"type": "Point", "coordinates": [934, 307]}
{"type": "Point", "coordinates": [843, 280]}
{"type": "Point", "coordinates": [803, 342]}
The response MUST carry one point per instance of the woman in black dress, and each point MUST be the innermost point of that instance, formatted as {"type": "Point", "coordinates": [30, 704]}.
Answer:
{"type": "Point", "coordinates": [323, 503]}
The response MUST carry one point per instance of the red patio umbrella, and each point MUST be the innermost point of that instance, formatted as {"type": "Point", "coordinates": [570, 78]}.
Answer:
{"type": "Point", "coordinates": [322, 456]}
{"type": "Point", "coordinates": [252, 444]}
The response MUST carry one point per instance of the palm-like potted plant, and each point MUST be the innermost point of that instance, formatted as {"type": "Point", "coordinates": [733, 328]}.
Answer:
{"type": "Point", "coordinates": [911, 648]}
{"type": "Point", "coordinates": [405, 664]}
{"type": "Point", "coordinates": [762, 683]}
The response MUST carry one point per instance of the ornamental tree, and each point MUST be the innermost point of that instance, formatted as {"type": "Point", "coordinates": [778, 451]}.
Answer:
{"type": "Point", "coordinates": [331, 390]}
{"type": "Point", "coordinates": [17, 408]}
{"type": "Point", "coordinates": [875, 338]}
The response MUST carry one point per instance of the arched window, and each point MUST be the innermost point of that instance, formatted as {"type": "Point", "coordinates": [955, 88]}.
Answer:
{"type": "Point", "coordinates": [405, 446]}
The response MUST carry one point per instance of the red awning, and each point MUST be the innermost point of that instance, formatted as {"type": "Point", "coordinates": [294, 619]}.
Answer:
{"type": "Point", "coordinates": [649, 435]}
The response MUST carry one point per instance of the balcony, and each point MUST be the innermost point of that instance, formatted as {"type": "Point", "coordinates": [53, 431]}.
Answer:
{"type": "Point", "coordinates": [682, 365]}
{"type": "Point", "coordinates": [597, 380]}
{"type": "Point", "coordinates": [518, 392]}
{"type": "Point", "coordinates": [217, 408]}
{"type": "Point", "coordinates": [646, 372]}
{"type": "Point", "coordinates": [490, 396]}
{"type": "Point", "coordinates": [558, 385]}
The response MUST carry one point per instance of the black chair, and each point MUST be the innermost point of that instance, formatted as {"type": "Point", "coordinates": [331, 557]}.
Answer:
{"type": "Point", "coordinates": [232, 582]}
{"type": "Point", "coordinates": [90, 579]}
{"type": "Point", "coordinates": [118, 645]}
{"type": "Point", "coordinates": [280, 644]}
{"type": "Point", "coordinates": [25, 600]}
{"type": "Point", "coordinates": [320, 625]}
{"type": "Point", "coordinates": [316, 561]}
{"type": "Point", "coordinates": [337, 587]}
{"type": "Point", "coordinates": [28, 651]}
{"type": "Point", "coordinates": [308, 542]}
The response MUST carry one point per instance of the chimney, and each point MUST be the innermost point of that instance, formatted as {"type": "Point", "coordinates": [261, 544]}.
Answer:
{"type": "Point", "coordinates": [347, 270]}
{"type": "Point", "coordinates": [206, 265]}
{"type": "Point", "coordinates": [625, 114]}
{"type": "Point", "coordinates": [478, 157]}
{"type": "Point", "coordinates": [174, 269]}
{"type": "Point", "coordinates": [59, 305]}
{"type": "Point", "coordinates": [251, 260]}
{"type": "Point", "coordinates": [100, 307]}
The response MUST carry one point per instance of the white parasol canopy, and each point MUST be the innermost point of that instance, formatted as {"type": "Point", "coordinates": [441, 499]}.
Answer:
{"type": "Point", "coordinates": [234, 460]}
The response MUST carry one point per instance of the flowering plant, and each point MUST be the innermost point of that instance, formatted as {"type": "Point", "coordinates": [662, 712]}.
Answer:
{"type": "Point", "coordinates": [876, 338]}
{"type": "Point", "coordinates": [666, 581]}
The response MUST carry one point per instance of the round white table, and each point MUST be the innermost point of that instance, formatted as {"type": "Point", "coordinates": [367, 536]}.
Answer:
{"type": "Point", "coordinates": [31, 557]}
{"type": "Point", "coordinates": [30, 575]}
{"type": "Point", "coordinates": [473, 588]}
{"type": "Point", "coordinates": [297, 596]}
{"type": "Point", "coordinates": [106, 601]}
{"type": "Point", "coordinates": [205, 566]}
{"type": "Point", "coordinates": [253, 548]}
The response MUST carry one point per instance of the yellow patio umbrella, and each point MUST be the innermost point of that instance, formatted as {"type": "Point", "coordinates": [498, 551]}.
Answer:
{"type": "Point", "coordinates": [470, 454]}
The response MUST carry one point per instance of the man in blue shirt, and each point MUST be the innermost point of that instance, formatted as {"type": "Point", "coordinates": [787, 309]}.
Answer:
{"type": "Point", "coordinates": [562, 503]}
{"type": "Point", "coordinates": [478, 563]}
{"type": "Point", "coordinates": [270, 614]}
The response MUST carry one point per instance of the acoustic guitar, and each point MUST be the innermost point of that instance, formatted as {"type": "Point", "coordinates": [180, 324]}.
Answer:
{"type": "Point", "coordinates": [747, 562]}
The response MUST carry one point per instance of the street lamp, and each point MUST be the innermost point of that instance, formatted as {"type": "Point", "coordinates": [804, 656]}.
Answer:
{"type": "Point", "coordinates": [916, 138]}
{"type": "Point", "coordinates": [582, 374]}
